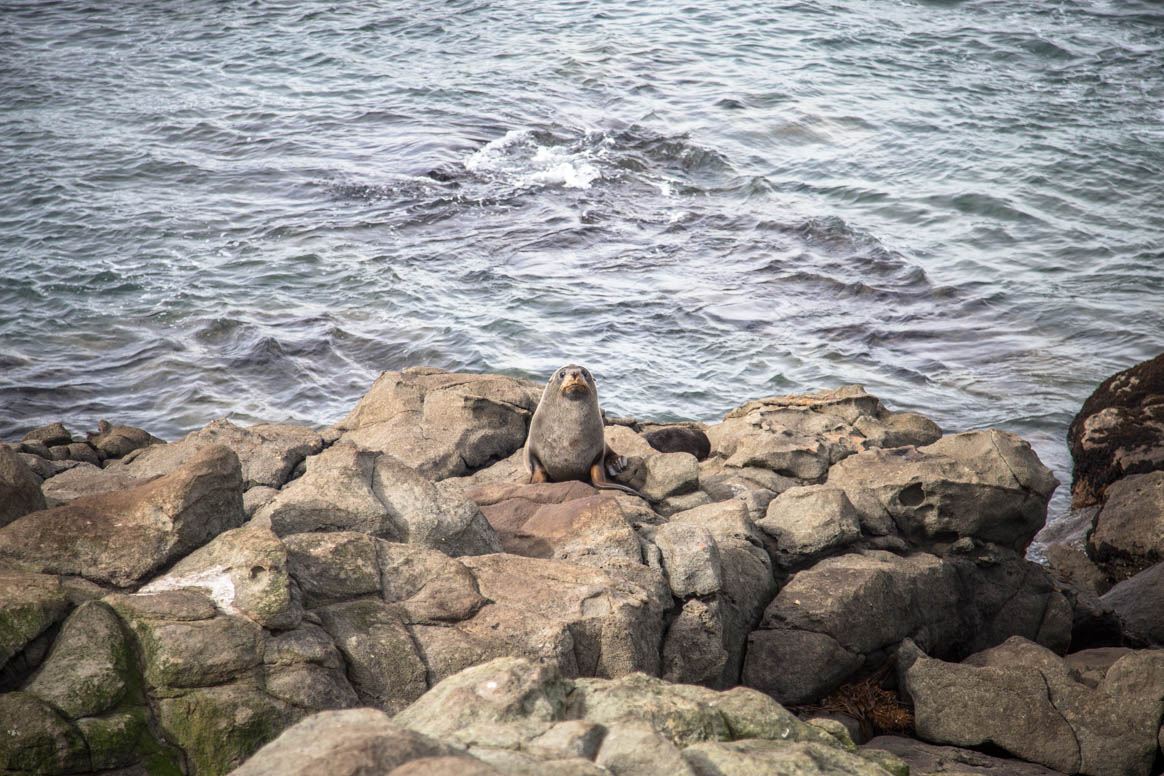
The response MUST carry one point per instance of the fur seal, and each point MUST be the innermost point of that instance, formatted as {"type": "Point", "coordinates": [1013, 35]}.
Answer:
{"type": "Point", "coordinates": [566, 440]}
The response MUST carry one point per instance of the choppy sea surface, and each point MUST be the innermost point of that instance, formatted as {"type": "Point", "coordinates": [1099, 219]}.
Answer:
{"type": "Point", "coordinates": [251, 209]}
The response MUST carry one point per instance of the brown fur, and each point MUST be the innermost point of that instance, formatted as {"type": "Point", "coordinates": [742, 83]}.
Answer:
{"type": "Point", "coordinates": [566, 440]}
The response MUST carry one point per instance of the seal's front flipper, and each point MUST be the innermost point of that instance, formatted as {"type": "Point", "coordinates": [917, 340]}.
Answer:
{"type": "Point", "coordinates": [613, 462]}
{"type": "Point", "coordinates": [537, 471]}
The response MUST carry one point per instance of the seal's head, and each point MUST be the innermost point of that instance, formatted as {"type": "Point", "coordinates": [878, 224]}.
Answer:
{"type": "Point", "coordinates": [574, 382]}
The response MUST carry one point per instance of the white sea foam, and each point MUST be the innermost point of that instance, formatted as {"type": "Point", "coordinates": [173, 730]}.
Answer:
{"type": "Point", "coordinates": [517, 159]}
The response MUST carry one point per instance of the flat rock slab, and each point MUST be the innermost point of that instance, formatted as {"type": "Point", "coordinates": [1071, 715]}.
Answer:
{"type": "Point", "coordinates": [924, 758]}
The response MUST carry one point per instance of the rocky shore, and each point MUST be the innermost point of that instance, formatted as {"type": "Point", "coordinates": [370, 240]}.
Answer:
{"type": "Point", "coordinates": [834, 588]}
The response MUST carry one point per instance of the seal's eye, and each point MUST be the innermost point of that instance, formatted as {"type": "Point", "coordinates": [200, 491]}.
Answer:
{"type": "Point", "coordinates": [585, 374]}
{"type": "Point", "coordinates": [562, 375]}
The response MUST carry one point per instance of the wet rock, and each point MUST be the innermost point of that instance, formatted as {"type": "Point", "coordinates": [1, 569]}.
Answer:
{"type": "Point", "coordinates": [1139, 603]}
{"type": "Point", "coordinates": [807, 522]}
{"type": "Point", "coordinates": [20, 491]}
{"type": "Point", "coordinates": [443, 424]}
{"type": "Point", "coordinates": [1024, 699]}
{"type": "Point", "coordinates": [116, 441]}
{"type": "Point", "coordinates": [85, 479]}
{"type": "Point", "coordinates": [268, 452]}
{"type": "Point", "coordinates": [987, 485]}
{"type": "Point", "coordinates": [352, 742]}
{"type": "Point", "coordinates": [1128, 536]}
{"type": "Point", "coordinates": [244, 571]}
{"type": "Point", "coordinates": [121, 538]}
{"type": "Point", "coordinates": [345, 488]}
{"type": "Point", "coordinates": [1094, 622]}
{"type": "Point", "coordinates": [567, 520]}
{"type": "Point", "coordinates": [1118, 431]}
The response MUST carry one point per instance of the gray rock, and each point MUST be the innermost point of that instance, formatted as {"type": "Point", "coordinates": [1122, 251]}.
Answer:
{"type": "Point", "coordinates": [669, 474]}
{"type": "Point", "coordinates": [349, 489]}
{"type": "Point", "coordinates": [690, 558]}
{"type": "Point", "coordinates": [50, 435]}
{"type": "Point", "coordinates": [184, 642]}
{"type": "Point", "coordinates": [777, 758]}
{"type": "Point", "coordinates": [121, 538]}
{"type": "Point", "coordinates": [612, 622]}
{"type": "Point", "coordinates": [1024, 699]}
{"type": "Point", "coordinates": [303, 667]}
{"type": "Point", "coordinates": [268, 452]}
{"type": "Point", "coordinates": [87, 672]}
{"type": "Point", "coordinates": [1129, 530]}
{"type": "Point", "coordinates": [334, 566]}
{"type": "Point", "coordinates": [924, 758]}
{"type": "Point", "coordinates": [808, 522]}
{"type": "Point", "coordinates": [112, 441]}
{"type": "Point", "coordinates": [1139, 603]}
{"type": "Point", "coordinates": [85, 479]}
{"type": "Point", "coordinates": [257, 497]}
{"type": "Point", "coordinates": [37, 739]}
{"type": "Point", "coordinates": [244, 571]}
{"type": "Point", "coordinates": [382, 660]}
{"type": "Point", "coordinates": [635, 748]}
{"type": "Point", "coordinates": [694, 649]}
{"type": "Point", "coordinates": [30, 604]}
{"type": "Point", "coordinates": [443, 424]}
{"type": "Point", "coordinates": [851, 611]}
{"type": "Point", "coordinates": [19, 488]}
{"type": "Point", "coordinates": [987, 485]}
{"type": "Point", "coordinates": [748, 583]}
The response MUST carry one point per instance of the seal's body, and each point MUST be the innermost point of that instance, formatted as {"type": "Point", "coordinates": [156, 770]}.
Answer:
{"type": "Point", "coordinates": [566, 441]}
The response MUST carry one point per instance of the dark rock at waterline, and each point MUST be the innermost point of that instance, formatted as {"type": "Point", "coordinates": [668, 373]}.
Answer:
{"type": "Point", "coordinates": [117, 441]}
{"type": "Point", "coordinates": [679, 439]}
{"type": "Point", "coordinates": [1128, 532]}
{"type": "Point", "coordinates": [1139, 603]}
{"type": "Point", "coordinates": [1119, 431]}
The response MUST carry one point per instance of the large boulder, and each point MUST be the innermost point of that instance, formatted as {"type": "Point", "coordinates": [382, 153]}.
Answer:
{"type": "Point", "coordinates": [1139, 603]}
{"type": "Point", "coordinates": [19, 488]}
{"type": "Point", "coordinates": [346, 488]}
{"type": "Point", "coordinates": [1118, 431]}
{"type": "Point", "coordinates": [268, 452]}
{"type": "Point", "coordinates": [1128, 536]}
{"type": "Point", "coordinates": [121, 538]}
{"type": "Point", "coordinates": [443, 424]}
{"type": "Point", "coordinates": [985, 485]}
{"type": "Point", "coordinates": [809, 522]}
{"type": "Point", "coordinates": [849, 613]}
{"type": "Point", "coordinates": [1024, 699]}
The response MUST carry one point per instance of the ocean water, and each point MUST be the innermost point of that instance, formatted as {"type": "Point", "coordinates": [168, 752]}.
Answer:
{"type": "Point", "coordinates": [251, 209]}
